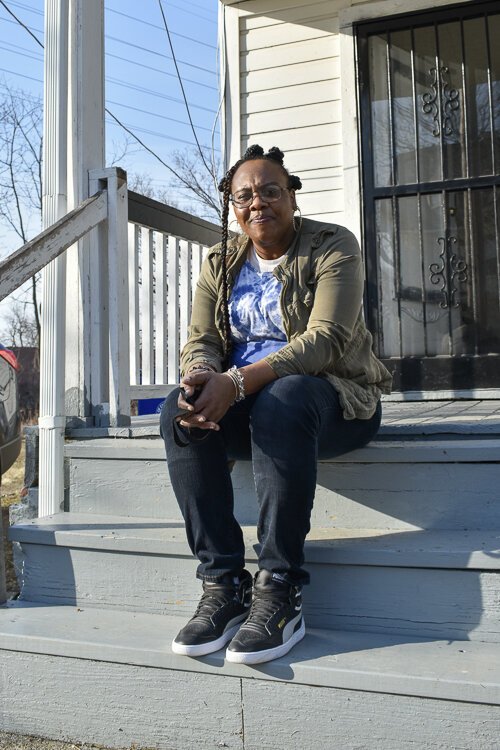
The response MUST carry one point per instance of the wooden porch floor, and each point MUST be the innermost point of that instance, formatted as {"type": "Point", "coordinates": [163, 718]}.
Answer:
{"type": "Point", "coordinates": [475, 417]}
{"type": "Point", "coordinates": [400, 419]}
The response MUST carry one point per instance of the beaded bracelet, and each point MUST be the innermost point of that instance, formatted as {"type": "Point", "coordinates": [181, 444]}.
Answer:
{"type": "Point", "coordinates": [238, 382]}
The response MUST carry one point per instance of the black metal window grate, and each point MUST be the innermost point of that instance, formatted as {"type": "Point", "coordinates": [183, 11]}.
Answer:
{"type": "Point", "coordinates": [430, 112]}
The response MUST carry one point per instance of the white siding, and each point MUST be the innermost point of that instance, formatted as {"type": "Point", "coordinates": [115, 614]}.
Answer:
{"type": "Point", "coordinates": [290, 94]}
{"type": "Point", "coordinates": [292, 84]}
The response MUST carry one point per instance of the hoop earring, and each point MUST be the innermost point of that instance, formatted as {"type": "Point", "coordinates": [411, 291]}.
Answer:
{"type": "Point", "coordinates": [234, 231]}
{"type": "Point", "coordinates": [297, 220]}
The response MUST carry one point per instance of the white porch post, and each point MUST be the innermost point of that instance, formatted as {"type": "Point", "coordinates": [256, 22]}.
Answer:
{"type": "Point", "coordinates": [52, 420]}
{"type": "Point", "coordinates": [86, 316]}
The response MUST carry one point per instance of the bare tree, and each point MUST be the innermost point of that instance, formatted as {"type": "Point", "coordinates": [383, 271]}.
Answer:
{"type": "Point", "coordinates": [19, 327]}
{"type": "Point", "coordinates": [21, 170]}
{"type": "Point", "coordinates": [199, 177]}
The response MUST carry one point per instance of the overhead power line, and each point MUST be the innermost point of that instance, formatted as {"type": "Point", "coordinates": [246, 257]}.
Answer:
{"type": "Point", "coordinates": [22, 51]}
{"type": "Point", "coordinates": [23, 6]}
{"type": "Point", "coordinates": [155, 26]}
{"type": "Point", "coordinates": [26, 28]}
{"type": "Point", "coordinates": [111, 114]}
{"type": "Point", "coordinates": [17, 50]}
{"type": "Point", "coordinates": [144, 90]}
{"type": "Point", "coordinates": [210, 171]}
{"type": "Point", "coordinates": [158, 54]}
{"type": "Point", "coordinates": [162, 72]}
{"type": "Point", "coordinates": [155, 114]}
{"type": "Point", "coordinates": [147, 148]}
{"type": "Point", "coordinates": [191, 4]}
{"type": "Point", "coordinates": [21, 75]}
{"type": "Point", "coordinates": [139, 129]}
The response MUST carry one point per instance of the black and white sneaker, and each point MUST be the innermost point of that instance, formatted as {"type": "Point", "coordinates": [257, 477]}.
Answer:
{"type": "Point", "coordinates": [222, 607]}
{"type": "Point", "coordinates": [274, 625]}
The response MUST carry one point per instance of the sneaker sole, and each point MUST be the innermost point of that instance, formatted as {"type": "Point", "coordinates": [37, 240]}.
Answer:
{"type": "Point", "coordinates": [259, 657]}
{"type": "Point", "coordinates": [206, 648]}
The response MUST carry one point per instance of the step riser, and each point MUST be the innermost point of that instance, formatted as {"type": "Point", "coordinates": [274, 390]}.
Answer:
{"type": "Point", "coordinates": [97, 702]}
{"type": "Point", "coordinates": [452, 604]}
{"type": "Point", "coordinates": [349, 495]}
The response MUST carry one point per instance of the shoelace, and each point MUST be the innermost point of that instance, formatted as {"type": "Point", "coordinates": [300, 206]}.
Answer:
{"type": "Point", "coordinates": [263, 607]}
{"type": "Point", "coordinates": [211, 600]}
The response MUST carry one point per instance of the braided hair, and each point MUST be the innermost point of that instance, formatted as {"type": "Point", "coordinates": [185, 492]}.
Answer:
{"type": "Point", "coordinates": [294, 183]}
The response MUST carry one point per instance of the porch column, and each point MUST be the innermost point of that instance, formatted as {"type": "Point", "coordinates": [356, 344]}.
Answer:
{"type": "Point", "coordinates": [86, 323]}
{"type": "Point", "coordinates": [52, 420]}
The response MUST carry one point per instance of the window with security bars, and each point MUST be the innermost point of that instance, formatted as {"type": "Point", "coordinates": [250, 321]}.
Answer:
{"type": "Point", "coordinates": [430, 114]}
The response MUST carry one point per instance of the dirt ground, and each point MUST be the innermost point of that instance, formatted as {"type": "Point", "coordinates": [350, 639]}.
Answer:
{"type": "Point", "coordinates": [10, 493]}
{"type": "Point", "coordinates": [17, 742]}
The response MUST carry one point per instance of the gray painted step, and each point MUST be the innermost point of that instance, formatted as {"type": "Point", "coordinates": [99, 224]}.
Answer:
{"type": "Point", "coordinates": [438, 584]}
{"type": "Point", "coordinates": [436, 484]}
{"type": "Point", "coordinates": [109, 678]}
{"type": "Point", "coordinates": [328, 658]}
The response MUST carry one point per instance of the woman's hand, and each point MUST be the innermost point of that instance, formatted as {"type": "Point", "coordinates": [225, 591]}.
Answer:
{"type": "Point", "coordinates": [216, 393]}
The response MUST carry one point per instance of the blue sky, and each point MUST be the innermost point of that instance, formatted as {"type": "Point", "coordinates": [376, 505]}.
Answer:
{"type": "Point", "coordinates": [142, 88]}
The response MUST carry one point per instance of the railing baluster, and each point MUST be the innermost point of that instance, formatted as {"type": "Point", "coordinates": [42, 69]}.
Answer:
{"type": "Point", "coordinates": [146, 306]}
{"type": "Point", "coordinates": [173, 309]}
{"type": "Point", "coordinates": [160, 311]}
{"type": "Point", "coordinates": [133, 293]}
{"type": "Point", "coordinates": [165, 291]}
{"type": "Point", "coordinates": [185, 289]}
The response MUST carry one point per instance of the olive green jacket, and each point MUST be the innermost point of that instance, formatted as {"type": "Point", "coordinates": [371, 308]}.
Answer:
{"type": "Point", "coordinates": [321, 304]}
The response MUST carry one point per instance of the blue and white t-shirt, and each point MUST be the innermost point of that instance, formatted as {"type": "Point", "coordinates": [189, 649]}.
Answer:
{"type": "Point", "coordinates": [254, 311]}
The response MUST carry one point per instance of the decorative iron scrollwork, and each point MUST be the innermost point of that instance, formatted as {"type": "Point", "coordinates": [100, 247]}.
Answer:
{"type": "Point", "coordinates": [450, 271]}
{"type": "Point", "coordinates": [441, 89]}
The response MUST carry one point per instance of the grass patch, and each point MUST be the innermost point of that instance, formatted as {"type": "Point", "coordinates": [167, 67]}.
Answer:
{"type": "Point", "coordinates": [13, 481]}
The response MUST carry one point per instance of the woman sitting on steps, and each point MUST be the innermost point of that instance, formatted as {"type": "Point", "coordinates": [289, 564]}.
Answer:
{"type": "Point", "coordinates": [278, 369]}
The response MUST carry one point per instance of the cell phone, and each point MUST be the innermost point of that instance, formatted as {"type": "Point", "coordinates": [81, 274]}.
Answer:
{"type": "Point", "coordinates": [192, 398]}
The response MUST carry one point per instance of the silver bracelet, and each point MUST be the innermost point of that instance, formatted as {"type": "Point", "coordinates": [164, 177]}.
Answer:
{"type": "Point", "coordinates": [238, 382]}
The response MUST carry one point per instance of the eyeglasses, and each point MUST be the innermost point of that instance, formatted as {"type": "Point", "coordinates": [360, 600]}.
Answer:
{"type": "Point", "coordinates": [268, 194]}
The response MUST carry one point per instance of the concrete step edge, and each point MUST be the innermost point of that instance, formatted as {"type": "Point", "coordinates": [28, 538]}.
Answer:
{"type": "Point", "coordinates": [369, 662]}
{"type": "Point", "coordinates": [432, 450]}
{"type": "Point", "coordinates": [476, 550]}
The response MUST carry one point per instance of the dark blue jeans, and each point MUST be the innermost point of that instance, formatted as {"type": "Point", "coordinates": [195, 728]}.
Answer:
{"type": "Point", "coordinates": [283, 429]}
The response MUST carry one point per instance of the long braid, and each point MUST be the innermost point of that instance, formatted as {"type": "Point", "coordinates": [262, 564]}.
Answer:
{"type": "Point", "coordinates": [253, 152]}
{"type": "Point", "coordinates": [226, 328]}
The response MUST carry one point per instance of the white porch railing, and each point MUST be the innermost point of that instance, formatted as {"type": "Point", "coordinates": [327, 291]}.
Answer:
{"type": "Point", "coordinates": [166, 249]}
{"type": "Point", "coordinates": [139, 302]}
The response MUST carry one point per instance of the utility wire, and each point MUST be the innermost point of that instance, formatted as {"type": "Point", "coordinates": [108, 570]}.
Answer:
{"type": "Point", "coordinates": [115, 118]}
{"type": "Point", "coordinates": [158, 54]}
{"type": "Point", "coordinates": [155, 114]}
{"type": "Point", "coordinates": [162, 72]}
{"type": "Point", "coordinates": [25, 53]}
{"type": "Point", "coordinates": [191, 4]}
{"type": "Point", "coordinates": [144, 146]}
{"type": "Point", "coordinates": [23, 6]}
{"type": "Point", "coordinates": [210, 171]}
{"type": "Point", "coordinates": [20, 75]}
{"type": "Point", "coordinates": [15, 49]}
{"type": "Point", "coordinates": [144, 90]}
{"type": "Point", "coordinates": [118, 82]}
{"type": "Point", "coordinates": [155, 26]}
{"type": "Point", "coordinates": [139, 129]}
{"type": "Point", "coordinates": [4, 5]}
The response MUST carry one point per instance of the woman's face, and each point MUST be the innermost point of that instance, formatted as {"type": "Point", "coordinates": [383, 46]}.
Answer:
{"type": "Point", "coordinates": [269, 225]}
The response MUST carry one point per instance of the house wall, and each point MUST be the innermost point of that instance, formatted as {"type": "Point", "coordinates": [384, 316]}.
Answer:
{"type": "Point", "coordinates": [291, 82]}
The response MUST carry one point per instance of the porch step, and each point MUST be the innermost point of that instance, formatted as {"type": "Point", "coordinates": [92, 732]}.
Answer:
{"type": "Point", "coordinates": [436, 483]}
{"type": "Point", "coordinates": [329, 658]}
{"type": "Point", "coordinates": [431, 583]}
{"type": "Point", "coordinates": [110, 678]}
